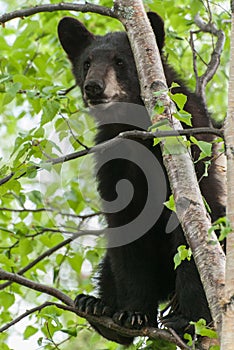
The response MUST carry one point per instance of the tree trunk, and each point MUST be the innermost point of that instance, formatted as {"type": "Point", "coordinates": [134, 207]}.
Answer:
{"type": "Point", "coordinates": [227, 338]}
{"type": "Point", "coordinates": [210, 260]}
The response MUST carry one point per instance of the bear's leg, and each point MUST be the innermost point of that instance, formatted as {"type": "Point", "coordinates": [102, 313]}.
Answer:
{"type": "Point", "coordinates": [191, 302]}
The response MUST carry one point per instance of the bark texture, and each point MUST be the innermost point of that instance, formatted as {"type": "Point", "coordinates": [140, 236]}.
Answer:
{"type": "Point", "coordinates": [227, 338]}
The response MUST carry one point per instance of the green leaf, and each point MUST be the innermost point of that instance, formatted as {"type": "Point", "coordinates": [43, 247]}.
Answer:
{"type": "Point", "coordinates": [35, 196]}
{"type": "Point", "coordinates": [156, 141]}
{"type": "Point", "coordinates": [93, 256]}
{"type": "Point", "coordinates": [23, 80]}
{"type": "Point", "coordinates": [46, 166]}
{"type": "Point", "coordinates": [183, 253]}
{"type": "Point", "coordinates": [4, 346]}
{"type": "Point", "coordinates": [203, 330]}
{"type": "Point", "coordinates": [189, 338]}
{"type": "Point", "coordinates": [25, 247]}
{"type": "Point", "coordinates": [70, 331]}
{"type": "Point", "coordinates": [50, 109]}
{"type": "Point", "coordinates": [174, 145]}
{"type": "Point", "coordinates": [5, 262]}
{"type": "Point", "coordinates": [160, 92]}
{"type": "Point", "coordinates": [179, 99]}
{"type": "Point", "coordinates": [76, 262]}
{"type": "Point", "coordinates": [50, 327]}
{"type": "Point", "coordinates": [170, 204]}
{"type": "Point", "coordinates": [29, 332]}
{"type": "Point", "coordinates": [223, 225]}
{"type": "Point", "coordinates": [174, 85]}
{"type": "Point", "coordinates": [39, 133]}
{"type": "Point", "coordinates": [158, 125]}
{"type": "Point", "coordinates": [3, 44]}
{"type": "Point", "coordinates": [13, 185]}
{"type": "Point", "coordinates": [19, 141]}
{"type": "Point", "coordinates": [40, 341]}
{"type": "Point", "coordinates": [205, 147]}
{"type": "Point", "coordinates": [183, 117]}
{"type": "Point", "coordinates": [158, 344]}
{"type": "Point", "coordinates": [52, 240]}
{"type": "Point", "coordinates": [4, 78]}
{"type": "Point", "coordinates": [51, 312]}
{"type": "Point", "coordinates": [11, 92]}
{"type": "Point", "coordinates": [6, 299]}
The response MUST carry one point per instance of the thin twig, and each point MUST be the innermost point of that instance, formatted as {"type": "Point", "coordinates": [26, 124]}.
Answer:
{"type": "Point", "coordinates": [65, 92]}
{"type": "Point", "coordinates": [72, 133]}
{"type": "Point", "coordinates": [87, 7]}
{"type": "Point", "coordinates": [176, 336]}
{"type": "Point", "coordinates": [51, 210]}
{"type": "Point", "coordinates": [50, 337]}
{"type": "Point", "coordinates": [194, 52]}
{"type": "Point", "coordinates": [33, 310]}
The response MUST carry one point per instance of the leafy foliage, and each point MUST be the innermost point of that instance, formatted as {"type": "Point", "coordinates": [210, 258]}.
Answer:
{"type": "Point", "coordinates": [183, 253]}
{"type": "Point", "coordinates": [41, 209]}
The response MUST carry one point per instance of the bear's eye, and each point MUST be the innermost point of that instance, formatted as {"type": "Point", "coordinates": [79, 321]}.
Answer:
{"type": "Point", "coordinates": [119, 62]}
{"type": "Point", "coordinates": [87, 65]}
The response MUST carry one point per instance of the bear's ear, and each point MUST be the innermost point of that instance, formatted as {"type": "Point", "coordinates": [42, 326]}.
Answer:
{"type": "Point", "coordinates": [74, 37]}
{"type": "Point", "coordinates": [158, 27]}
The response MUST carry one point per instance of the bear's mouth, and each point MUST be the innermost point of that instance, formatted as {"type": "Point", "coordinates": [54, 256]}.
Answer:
{"type": "Point", "coordinates": [103, 101]}
{"type": "Point", "coordinates": [99, 101]}
{"type": "Point", "coordinates": [101, 104]}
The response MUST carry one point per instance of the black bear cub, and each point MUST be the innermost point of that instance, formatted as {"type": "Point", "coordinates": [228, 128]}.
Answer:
{"type": "Point", "coordinates": [137, 272]}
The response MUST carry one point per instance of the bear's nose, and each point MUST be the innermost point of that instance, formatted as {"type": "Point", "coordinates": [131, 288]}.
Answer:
{"type": "Point", "coordinates": [94, 88]}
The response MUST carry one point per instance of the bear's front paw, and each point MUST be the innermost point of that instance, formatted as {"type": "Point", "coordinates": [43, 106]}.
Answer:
{"type": "Point", "coordinates": [92, 306]}
{"type": "Point", "coordinates": [178, 322]}
{"type": "Point", "coordinates": [128, 319]}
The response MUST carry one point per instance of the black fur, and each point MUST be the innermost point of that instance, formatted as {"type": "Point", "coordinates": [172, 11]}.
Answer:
{"type": "Point", "coordinates": [136, 276]}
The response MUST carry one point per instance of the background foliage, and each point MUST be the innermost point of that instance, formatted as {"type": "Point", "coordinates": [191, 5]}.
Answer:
{"type": "Point", "coordinates": [38, 122]}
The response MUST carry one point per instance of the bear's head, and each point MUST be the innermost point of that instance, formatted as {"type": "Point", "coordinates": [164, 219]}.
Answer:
{"type": "Point", "coordinates": [104, 66]}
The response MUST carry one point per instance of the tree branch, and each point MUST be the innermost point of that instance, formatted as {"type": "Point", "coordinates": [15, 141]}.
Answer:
{"type": "Point", "coordinates": [213, 65]}
{"type": "Point", "coordinates": [145, 135]}
{"type": "Point", "coordinates": [113, 142]}
{"type": "Point", "coordinates": [36, 286]}
{"type": "Point", "coordinates": [63, 6]}
{"type": "Point", "coordinates": [152, 333]}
